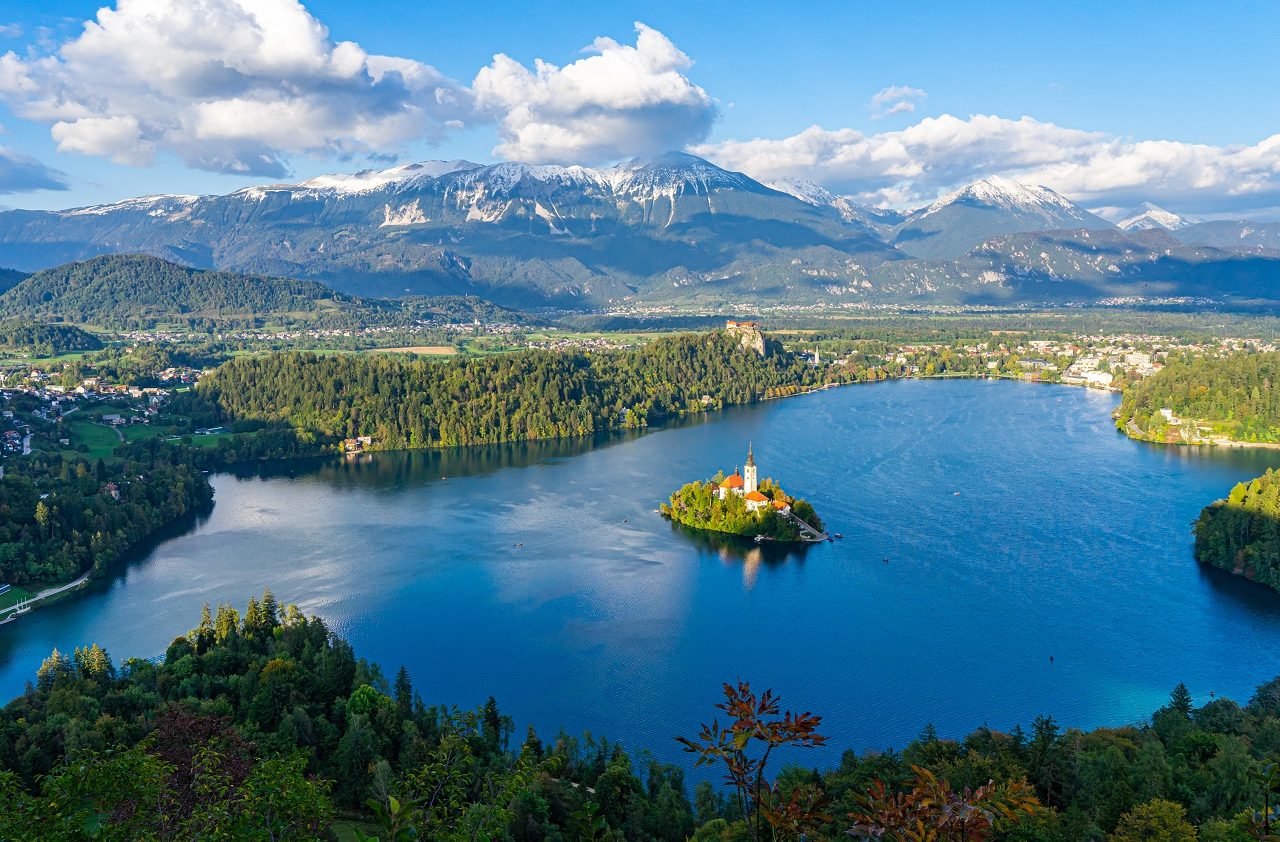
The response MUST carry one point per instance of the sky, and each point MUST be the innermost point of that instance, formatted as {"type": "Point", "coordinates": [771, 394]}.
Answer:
{"type": "Point", "coordinates": [893, 104]}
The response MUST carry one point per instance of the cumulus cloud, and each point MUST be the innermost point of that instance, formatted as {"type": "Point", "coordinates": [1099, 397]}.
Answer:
{"type": "Point", "coordinates": [10, 30]}
{"type": "Point", "coordinates": [226, 85]}
{"type": "Point", "coordinates": [895, 99]}
{"type": "Point", "coordinates": [620, 101]}
{"type": "Point", "coordinates": [914, 165]}
{"type": "Point", "coordinates": [20, 174]}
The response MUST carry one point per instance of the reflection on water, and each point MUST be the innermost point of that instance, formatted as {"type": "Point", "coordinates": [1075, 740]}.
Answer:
{"type": "Point", "coordinates": [735, 550]}
{"type": "Point", "coordinates": [1016, 522]}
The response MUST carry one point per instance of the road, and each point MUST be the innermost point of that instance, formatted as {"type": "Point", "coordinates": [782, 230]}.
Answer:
{"type": "Point", "coordinates": [11, 612]}
{"type": "Point", "coordinates": [26, 445]}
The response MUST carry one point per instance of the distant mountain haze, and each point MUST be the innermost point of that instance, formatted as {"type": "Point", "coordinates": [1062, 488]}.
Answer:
{"type": "Point", "coordinates": [676, 228]}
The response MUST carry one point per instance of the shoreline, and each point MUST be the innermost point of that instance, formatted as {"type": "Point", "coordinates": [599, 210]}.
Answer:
{"type": "Point", "coordinates": [1136, 434]}
{"type": "Point", "coordinates": [60, 590]}
{"type": "Point", "coordinates": [20, 609]}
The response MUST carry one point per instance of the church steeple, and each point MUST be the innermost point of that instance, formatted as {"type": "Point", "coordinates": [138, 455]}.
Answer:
{"type": "Point", "coordinates": [749, 472]}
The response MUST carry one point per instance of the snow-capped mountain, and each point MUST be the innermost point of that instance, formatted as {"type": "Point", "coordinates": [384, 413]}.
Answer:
{"type": "Point", "coordinates": [515, 232]}
{"type": "Point", "coordinates": [674, 227]}
{"type": "Point", "coordinates": [961, 220]}
{"type": "Point", "coordinates": [1233, 234]}
{"type": "Point", "coordinates": [1147, 216]}
{"type": "Point", "coordinates": [400, 177]}
{"type": "Point", "coordinates": [879, 220]}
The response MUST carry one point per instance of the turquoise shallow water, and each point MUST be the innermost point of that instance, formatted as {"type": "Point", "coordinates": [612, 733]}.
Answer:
{"type": "Point", "coordinates": [540, 573]}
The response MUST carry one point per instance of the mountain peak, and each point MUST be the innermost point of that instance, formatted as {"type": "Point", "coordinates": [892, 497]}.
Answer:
{"type": "Point", "coordinates": [804, 190]}
{"type": "Point", "coordinates": [1147, 216]}
{"type": "Point", "coordinates": [1000, 192]}
{"type": "Point", "coordinates": [368, 180]}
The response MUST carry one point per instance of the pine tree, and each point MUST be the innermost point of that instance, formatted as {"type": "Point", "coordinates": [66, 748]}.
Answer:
{"type": "Point", "coordinates": [204, 636]}
{"type": "Point", "coordinates": [226, 623]}
{"type": "Point", "coordinates": [403, 693]}
{"type": "Point", "coordinates": [1180, 700]}
{"type": "Point", "coordinates": [252, 618]}
{"type": "Point", "coordinates": [270, 617]}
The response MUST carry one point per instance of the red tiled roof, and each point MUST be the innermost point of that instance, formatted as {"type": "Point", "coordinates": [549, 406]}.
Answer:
{"type": "Point", "coordinates": [757, 497]}
{"type": "Point", "coordinates": [732, 481]}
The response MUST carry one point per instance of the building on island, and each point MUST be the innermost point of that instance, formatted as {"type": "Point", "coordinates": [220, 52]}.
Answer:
{"type": "Point", "coordinates": [747, 486]}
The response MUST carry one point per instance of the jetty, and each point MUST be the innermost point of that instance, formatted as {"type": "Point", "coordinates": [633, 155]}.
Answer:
{"type": "Point", "coordinates": [13, 612]}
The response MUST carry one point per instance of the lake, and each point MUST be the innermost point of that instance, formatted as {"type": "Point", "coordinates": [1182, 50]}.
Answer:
{"type": "Point", "coordinates": [988, 526]}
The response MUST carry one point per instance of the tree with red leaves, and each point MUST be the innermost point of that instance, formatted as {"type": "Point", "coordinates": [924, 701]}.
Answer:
{"type": "Point", "coordinates": [757, 728]}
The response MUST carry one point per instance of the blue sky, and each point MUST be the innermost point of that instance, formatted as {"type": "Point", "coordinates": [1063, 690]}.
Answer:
{"type": "Point", "coordinates": [1171, 102]}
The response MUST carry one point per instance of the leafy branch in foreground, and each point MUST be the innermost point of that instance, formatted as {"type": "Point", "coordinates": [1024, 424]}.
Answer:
{"type": "Point", "coordinates": [931, 811]}
{"type": "Point", "coordinates": [757, 728]}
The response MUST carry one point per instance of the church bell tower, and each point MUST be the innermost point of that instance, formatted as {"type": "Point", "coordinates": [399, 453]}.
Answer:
{"type": "Point", "coordinates": [749, 472]}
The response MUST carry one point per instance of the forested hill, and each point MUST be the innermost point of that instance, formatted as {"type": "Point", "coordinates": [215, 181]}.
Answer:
{"type": "Point", "coordinates": [1242, 533]}
{"type": "Point", "coordinates": [509, 397]}
{"type": "Point", "coordinates": [264, 725]}
{"type": "Point", "coordinates": [10, 278]}
{"type": "Point", "coordinates": [129, 291]}
{"type": "Point", "coordinates": [1236, 396]}
{"type": "Point", "coordinates": [45, 340]}
{"type": "Point", "coordinates": [139, 291]}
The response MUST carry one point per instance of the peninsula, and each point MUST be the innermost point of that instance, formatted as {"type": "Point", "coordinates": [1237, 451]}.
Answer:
{"type": "Point", "coordinates": [742, 504]}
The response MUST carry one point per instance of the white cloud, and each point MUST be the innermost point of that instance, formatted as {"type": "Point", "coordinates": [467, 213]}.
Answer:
{"type": "Point", "coordinates": [912, 166]}
{"type": "Point", "coordinates": [10, 30]}
{"type": "Point", "coordinates": [622, 101]}
{"type": "Point", "coordinates": [227, 85]}
{"type": "Point", "coordinates": [895, 99]}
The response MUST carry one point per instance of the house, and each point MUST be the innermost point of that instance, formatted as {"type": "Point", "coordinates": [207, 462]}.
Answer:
{"type": "Point", "coordinates": [756, 501]}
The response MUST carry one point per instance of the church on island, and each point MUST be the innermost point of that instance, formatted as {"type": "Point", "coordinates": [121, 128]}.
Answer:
{"type": "Point", "coordinates": [745, 485]}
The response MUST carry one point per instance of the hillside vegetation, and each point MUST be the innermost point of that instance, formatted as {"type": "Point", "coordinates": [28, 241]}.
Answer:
{"type": "Point", "coordinates": [1237, 396]}
{"type": "Point", "coordinates": [509, 397]}
{"type": "Point", "coordinates": [264, 725]}
{"type": "Point", "coordinates": [141, 292]}
{"type": "Point", "coordinates": [129, 291]}
{"type": "Point", "coordinates": [1242, 532]}
{"type": "Point", "coordinates": [45, 340]}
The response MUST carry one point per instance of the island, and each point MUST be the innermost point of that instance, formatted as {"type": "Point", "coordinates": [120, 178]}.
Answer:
{"type": "Point", "coordinates": [742, 504]}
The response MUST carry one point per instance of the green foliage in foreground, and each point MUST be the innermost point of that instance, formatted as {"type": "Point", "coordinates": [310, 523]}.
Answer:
{"type": "Point", "coordinates": [266, 726]}
{"type": "Point", "coordinates": [1237, 396]}
{"type": "Point", "coordinates": [1242, 532]}
{"type": "Point", "coordinates": [698, 505]}
{"type": "Point", "coordinates": [510, 397]}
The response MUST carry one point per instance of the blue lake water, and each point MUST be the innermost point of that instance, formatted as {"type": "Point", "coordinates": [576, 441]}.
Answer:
{"type": "Point", "coordinates": [541, 574]}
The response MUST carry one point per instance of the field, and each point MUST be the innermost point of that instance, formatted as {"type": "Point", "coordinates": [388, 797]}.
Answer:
{"type": "Point", "coordinates": [434, 350]}
{"type": "Point", "coordinates": [99, 439]}
{"type": "Point", "coordinates": [13, 596]}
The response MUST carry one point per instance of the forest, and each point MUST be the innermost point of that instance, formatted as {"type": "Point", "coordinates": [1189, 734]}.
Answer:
{"type": "Point", "coordinates": [45, 340]}
{"type": "Point", "coordinates": [698, 505]}
{"type": "Point", "coordinates": [265, 725]}
{"type": "Point", "coordinates": [1242, 532]}
{"type": "Point", "coordinates": [134, 291]}
{"type": "Point", "coordinates": [1234, 395]}
{"type": "Point", "coordinates": [62, 516]}
{"type": "Point", "coordinates": [519, 396]}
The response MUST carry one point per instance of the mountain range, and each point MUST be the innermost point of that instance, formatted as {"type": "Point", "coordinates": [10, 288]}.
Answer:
{"type": "Point", "coordinates": [673, 229]}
